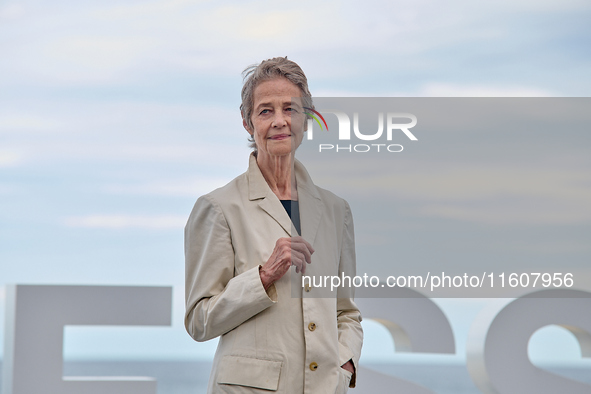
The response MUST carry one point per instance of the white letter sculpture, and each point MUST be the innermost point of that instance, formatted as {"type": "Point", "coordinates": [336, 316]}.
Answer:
{"type": "Point", "coordinates": [497, 343]}
{"type": "Point", "coordinates": [35, 320]}
{"type": "Point", "coordinates": [416, 324]}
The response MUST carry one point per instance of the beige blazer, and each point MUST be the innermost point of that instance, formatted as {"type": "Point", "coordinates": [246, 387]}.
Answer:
{"type": "Point", "coordinates": [270, 340]}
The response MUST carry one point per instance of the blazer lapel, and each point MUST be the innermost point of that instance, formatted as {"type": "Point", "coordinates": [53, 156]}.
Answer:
{"type": "Point", "coordinates": [277, 212]}
{"type": "Point", "coordinates": [259, 190]}
{"type": "Point", "coordinates": [311, 206]}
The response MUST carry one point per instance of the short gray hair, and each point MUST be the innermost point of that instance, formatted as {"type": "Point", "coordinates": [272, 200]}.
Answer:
{"type": "Point", "coordinates": [266, 70]}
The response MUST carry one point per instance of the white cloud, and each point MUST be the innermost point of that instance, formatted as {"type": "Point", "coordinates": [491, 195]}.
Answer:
{"type": "Point", "coordinates": [119, 118]}
{"type": "Point", "coordinates": [441, 89]}
{"type": "Point", "coordinates": [94, 58]}
{"type": "Point", "coordinates": [522, 213]}
{"type": "Point", "coordinates": [122, 131]}
{"type": "Point", "coordinates": [200, 157]}
{"type": "Point", "coordinates": [250, 23]}
{"type": "Point", "coordinates": [6, 189]}
{"type": "Point", "coordinates": [11, 12]}
{"type": "Point", "coordinates": [127, 221]}
{"type": "Point", "coordinates": [20, 121]}
{"type": "Point", "coordinates": [10, 158]}
{"type": "Point", "coordinates": [158, 38]}
{"type": "Point", "coordinates": [540, 5]}
{"type": "Point", "coordinates": [143, 9]}
{"type": "Point", "coordinates": [191, 187]}
{"type": "Point", "coordinates": [455, 90]}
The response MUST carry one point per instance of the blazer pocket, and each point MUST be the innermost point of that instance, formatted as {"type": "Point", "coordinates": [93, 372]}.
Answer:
{"type": "Point", "coordinates": [344, 380]}
{"type": "Point", "coordinates": [250, 372]}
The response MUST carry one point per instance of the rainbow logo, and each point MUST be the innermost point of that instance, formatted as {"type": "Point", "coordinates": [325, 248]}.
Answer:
{"type": "Point", "coordinates": [311, 112]}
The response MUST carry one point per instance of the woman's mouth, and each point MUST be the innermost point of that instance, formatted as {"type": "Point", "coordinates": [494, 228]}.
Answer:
{"type": "Point", "coordinates": [280, 137]}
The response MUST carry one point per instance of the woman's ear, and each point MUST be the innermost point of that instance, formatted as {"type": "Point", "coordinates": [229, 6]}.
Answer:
{"type": "Point", "coordinates": [245, 125]}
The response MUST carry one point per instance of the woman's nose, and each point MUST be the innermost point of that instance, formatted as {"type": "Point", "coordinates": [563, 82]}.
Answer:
{"type": "Point", "coordinates": [280, 119]}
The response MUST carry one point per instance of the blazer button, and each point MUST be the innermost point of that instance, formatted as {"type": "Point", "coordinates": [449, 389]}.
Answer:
{"type": "Point", "coordinates": [312, 326]}
{"type": "Point", "coordinates": [313, 366]}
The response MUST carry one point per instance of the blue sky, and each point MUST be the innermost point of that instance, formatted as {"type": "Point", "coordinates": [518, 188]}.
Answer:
{"type": "Point", "coordinates": [116, 115]}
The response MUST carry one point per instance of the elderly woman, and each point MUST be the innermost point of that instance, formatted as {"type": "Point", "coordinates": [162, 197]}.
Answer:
{"type": "Point", "coordinates": [241, 241]}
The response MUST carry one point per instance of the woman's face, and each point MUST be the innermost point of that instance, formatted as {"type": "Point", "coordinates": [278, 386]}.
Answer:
{"type": "Point", "coordinates": [278, 121]}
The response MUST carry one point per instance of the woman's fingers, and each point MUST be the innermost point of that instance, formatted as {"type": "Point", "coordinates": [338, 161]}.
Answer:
{"type": "Point", "coordinates": [287, 252]}
{"type": "Point", "coordinates": [299, 240]}
{"type": "Point", "coordinates": [299, 260]}
{"type": "Point", "coordinates": [301, 253]}
{"type": "Point", "coordinates": [301, 245]}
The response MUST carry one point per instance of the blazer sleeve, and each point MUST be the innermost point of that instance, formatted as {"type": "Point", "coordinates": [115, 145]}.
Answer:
{"type": "Point", "coordinates": [348, 315]}
{"type": "Point", "coordinates": [217, 301]}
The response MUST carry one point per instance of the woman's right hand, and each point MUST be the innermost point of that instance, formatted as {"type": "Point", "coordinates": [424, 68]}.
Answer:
{"type": "Point", "coordinates": [287, 252]}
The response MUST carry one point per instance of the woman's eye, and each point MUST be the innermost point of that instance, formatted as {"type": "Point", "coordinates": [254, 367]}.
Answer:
{"type": "Point", "coordinates": [265, 111]}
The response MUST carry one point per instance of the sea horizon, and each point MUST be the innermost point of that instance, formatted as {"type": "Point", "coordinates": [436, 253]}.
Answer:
{"type": "Point", "coordinates": [191, 376]}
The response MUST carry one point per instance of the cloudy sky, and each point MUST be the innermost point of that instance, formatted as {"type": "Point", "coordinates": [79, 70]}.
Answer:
{"type": "Point", "coordinates": [116, 115]}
